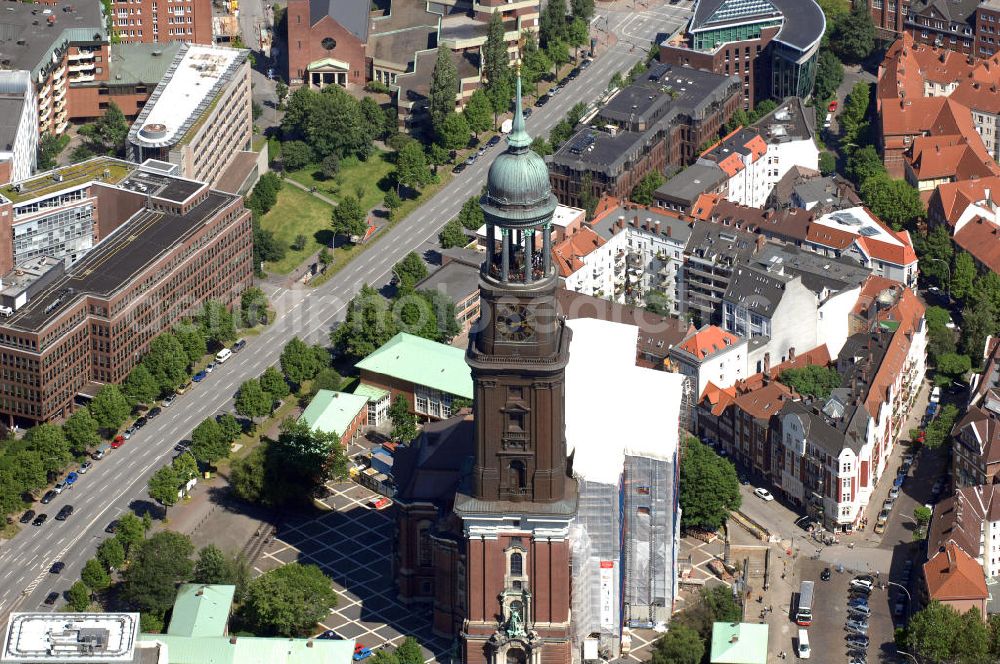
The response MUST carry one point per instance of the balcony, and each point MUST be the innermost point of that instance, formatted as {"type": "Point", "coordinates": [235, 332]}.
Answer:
{"type": "Point", "coordinates": [82, 78]}
{"type": "Point", "coordinates": [81, 66]}
{"type": "Point", "coordinates": [84, 55]}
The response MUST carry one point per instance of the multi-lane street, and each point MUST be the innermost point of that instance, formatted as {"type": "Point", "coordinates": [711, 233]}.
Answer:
{"type": "Point", "coordinates": [115, 482]}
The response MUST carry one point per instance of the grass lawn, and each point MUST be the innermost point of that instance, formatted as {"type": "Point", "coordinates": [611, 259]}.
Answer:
{"type": "Point", "coordinates": [297, 213]}
{"type": "Point", "coordinates": [371, 175]}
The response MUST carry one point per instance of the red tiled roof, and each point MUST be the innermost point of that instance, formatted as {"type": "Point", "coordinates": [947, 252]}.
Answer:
{"type": "Point", "coordinates": [908, 311]}
{"type": "Point", "coordinates": [703, 207]}
{"type": "Point", "coordinates": [908, 64]}
{"type": "Point", "coordinates": [569, 253]}
{"type": "Point", "coordinates": [953, 198]}
{"type": "Point", "coordinates": [952, 574]}
{"type": "Point", "coordinates": [980, 89]}
{"type": "Point", "coordinates": [708, 341]}
{"type": "Point", "coordinates": [870, 290]}
{"type": "Point", "coordinates": [936, 157]}
{"type": "Point", "coordinates": [981, 238]}
{"type": "Point", "coordinates": [765, 401]}
{"type": "Point", "coordinates": [829, 237]}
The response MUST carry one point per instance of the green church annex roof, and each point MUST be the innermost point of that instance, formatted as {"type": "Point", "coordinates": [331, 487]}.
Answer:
{"type": "Point", "coordinates": [518, 177]}
{"type": "Point", "coordinates": [422, 362]}
{"type": "Point", "coordinates": [201, 610]}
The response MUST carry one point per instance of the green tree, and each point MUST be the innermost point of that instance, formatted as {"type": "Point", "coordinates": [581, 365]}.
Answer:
{"type": "Point", "coordinates": [829, 75]}
{"type": "Point", "coordinates": [78, 597]}
{"type": "Point", "coordinates": [657, 302]}
{"type": "Point", "coordinates": [827, 163]}
{"type": "Point", "coordinates": [552, 23]}
{"type": "Point", "coordinates": [496, 61]}
{"type": "Point", "coordinates": [471, 215]}
{"type": "Point", "coordinates": [273, 382]}
{"type": "Point", "coordinates": [330, 121]}
{"type": "Point", "coordinates": [299, 362]}
{"type": "Point", "coordinates": [935, 250]}
{"type": "Point", "coordinates": [863, 164]}
{"type": "Point", "coordinates": [309, 456]}
{"type": "Point", "coordinates": [411, 167]}
{"type": "Point", "coordinates": [265, 194]}
{"type": "Point", "coordinates": [720, 602]}
{"type": "Point", "coordinates": [247, 476]}
{"type": "Point", "coordinates": [582, 9]}
{"type": "Point", "coordinates": [561, 132]}
{"type": "Point", "coordinates": [557, 51]}
{"type": "Point", "coordinates": [578, 36]}
{"type": "Point", "coordinates": [541, 146]}
{"type": "Point", "coordinates": [452, 235]}
{"type": "Point", "coordinates": [230, 426]}
{"type": "Point", "coordinates": [288, 600]}
{"type": "Point", "coordinates": [408, 652]}
{"type": "Point", "coordinates": [453, 132]}
{"type": "Point", "coordinates": [163, 486]}
{"type": "Point", "coordinates": [953, 367]}
{"type": "Point", "coordinates": [167, 362]}
{"type": "Point", "coordinates": [373, 119]}
{"type": "Point", "coordinates": [252, 401]}
{"type": "Point", "coordinates": [192, 338]}
{"type": "Point", "coordinates": [94, 575]}
{"type": "Point", "coordinates": [392, 202]}
{"type": "Point", "coordinates": [854, 117]}
{"type": "Point", "coordinates": [535, 64]}
{"type": "Point", "coordinates": [186, 468]}
{"type": "Point", "coordinates": [349, 219]}
{"type": "Point", "coordinates": [642, 193]}
{"type": "Point", "coordinates": [253, 306]}
{"type": "Point", "coordinates": [49, 148]}
{"type": "Point", "coordinates": [680, 645]}
{"type": "Point", "coordinates": [330, 166]}
{"type": "Point", "coordinates": [922, 515]}
{"type": "Point", "coordinates": [140, 386]}
{"type": "Point", "coordinates": [296, 155]}
{"type": "Point", "coordinates": [932, 632]}
{"type": "Point", "coordinates": [209, 441]}
{"type": "Point", "coordinates": [217, 322]}
{"type": "Point", "coordinates": [962, 276]}
{"type": "Point", "coordinates": [111, 553]}
{"type": "Point", "coordinates": [80, 430]}
{"type": "Point", "coordinates": [326, 379]}
{"type": "Point", "coordinates": [109, 407]}
{"type": "Point", "coordinates": [367, 326]}
{"type": "Point", "coordinates": [411, 270]}
{"type": "Point", "coordinates": [709, 489]}
{"type": "Point", "coordinates": [49, 442]}
{"type": "Point", "coordinates": [478, 112]}
{"type": "Point", "coordinates": [893, 201]}
{"type": "Point", "coordinates": [813, 380]}
{"type": "Point", "coordinates": [281, 92]}
{"type": "Point", "coordinates": [588, 199]}
{"type": "Point", "coordinates": [854, 36]}
{"type": "Point", "coordinates": [404, 423]}
{"type": "Point", "coordinates": [110, 130]}
{"type": "Point", "coordinates": [131, 532]}
{"type": "Point", "coordinates": [158, 565]}
{"type": "Point", "coordinates": [443, 90]}
{"type": "Point", "coordinates": [212, 566]}
{"type": "Point", "coordinates": [427, 313]}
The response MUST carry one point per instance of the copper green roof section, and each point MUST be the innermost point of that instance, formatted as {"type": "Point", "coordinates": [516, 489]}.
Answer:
{"type": "Point", "coordinates": [201, 610]}
{"type": "Point", "coordinates": [371, 392]}
{"type": "Point", "coordinates": [331, 411]}
{"type": "Point", "coordinates": [422, 362]}
{"type": "Point", "coordinates": [739, 643]}
{"type": "Point", "coordinates": [252, 650]}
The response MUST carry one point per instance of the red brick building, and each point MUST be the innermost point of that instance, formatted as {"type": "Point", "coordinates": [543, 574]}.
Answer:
{"type": "Point", "coordinates": [153, 21]}
{"type": "Point", "coordinates": [971, 27]}
{"type": "Point", "coordinates": [179, 243]}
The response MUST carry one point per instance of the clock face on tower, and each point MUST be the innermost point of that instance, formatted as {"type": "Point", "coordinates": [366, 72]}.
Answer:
{"type": "Point", "coordinates": [515, 323]}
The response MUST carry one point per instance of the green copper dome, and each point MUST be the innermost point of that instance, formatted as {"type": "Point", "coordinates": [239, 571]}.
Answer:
{"type": "Point", "coordinates": [519, 176]}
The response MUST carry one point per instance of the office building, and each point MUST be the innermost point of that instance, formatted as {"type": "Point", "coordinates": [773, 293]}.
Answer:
{"type": "Point", "coordinates": [176, 244]}
{"type": "Point", "coordinates": [18, 126]}
{"type": "Point", "coordinates": [771, 46]}
{"type": "Point", "coordinates": [200, 116]}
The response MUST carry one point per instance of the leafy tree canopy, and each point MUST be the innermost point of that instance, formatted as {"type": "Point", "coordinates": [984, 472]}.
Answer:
{"type": "Point", "coordinates": [709, 489]}
{"type": "Point", "coordinates": [288, 600]}
{"type": "Point", "coordinates": [812, 380]}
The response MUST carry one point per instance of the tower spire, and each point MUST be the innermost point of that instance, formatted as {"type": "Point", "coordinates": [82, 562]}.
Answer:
{"type": "Point", "coordinates": [519, 138]}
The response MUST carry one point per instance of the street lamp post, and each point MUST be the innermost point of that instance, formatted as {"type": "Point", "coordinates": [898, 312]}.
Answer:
{"type": "Point", "coordinates": [903, 652]}
{"type": "Point", "coordinates": [909, 600]}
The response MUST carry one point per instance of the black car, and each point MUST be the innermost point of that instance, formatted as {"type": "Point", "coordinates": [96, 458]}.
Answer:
{"type": "Point", "coordinates": [40, 519]}
{"type": "Point", "coordinates": [541, 101]}
{"type": "Point", "coordinates": [140, 423]}
{"type": "Point", "coordinates": [27, 516]}
{"type": "Point", "coordinates": [825, 574]}
{"type": "Point", "coordinates": [112, 527]}
{"type": "Point", "coordinates": [153, 413]}
{"type": "Point", "coordinates": [51, 598]}
{"type": "Point", "coordinates": [585, 64]}
{"type": "Point", "coordinates": [526, 113]}
{"type": "Point", "coordinates": [459, 167]}
{"type": "Point", "coordinates": [47, 498]}
{"type": "Point", "coordinates": [57, 567]}
{"type": "Point", "coordinates": [330, 634]}
{"type": "Point", "coordinates": [238, 346]}
{"type": "Point", "coordinates": [64, 512]}
{"type": "Point", "coordinates": [573, 73]}
{"type": "Point", "coordinates": [493, 141]}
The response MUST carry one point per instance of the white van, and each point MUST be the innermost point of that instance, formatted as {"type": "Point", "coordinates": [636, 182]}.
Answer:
{"type": "Point", "coordinates": [223, 355]}
{"type": "Point", "coordinates": [803, 649]}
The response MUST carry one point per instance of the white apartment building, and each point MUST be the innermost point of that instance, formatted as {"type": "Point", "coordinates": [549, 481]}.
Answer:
{"type": "Point", "coordinates": [18, 126]}
{"type": "Point", "coordinates": [710, 355]}
{"type": "Point", "coordinates": [856, 233]}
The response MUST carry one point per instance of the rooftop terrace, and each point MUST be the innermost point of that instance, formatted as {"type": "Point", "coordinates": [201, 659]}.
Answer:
{"type": "Point", "coordinates": [99, 169]}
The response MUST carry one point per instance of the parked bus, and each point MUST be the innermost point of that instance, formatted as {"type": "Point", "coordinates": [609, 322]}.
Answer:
{"type": "Point", "coordinates": [803, 612]}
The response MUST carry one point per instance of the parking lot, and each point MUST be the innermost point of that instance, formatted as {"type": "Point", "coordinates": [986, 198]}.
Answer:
{"type": "Point", "coordinates": [827, 634]}
{"type": "Point", "coordinates": [352, 543]}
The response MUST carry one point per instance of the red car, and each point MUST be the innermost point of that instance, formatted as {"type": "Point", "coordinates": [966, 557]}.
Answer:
{"type": "Point", "coordinates": [833, 106]}
{"type": "Point", "coordinates": [379, 502]}
{"type": "Point", "coordinates": [117, 442]}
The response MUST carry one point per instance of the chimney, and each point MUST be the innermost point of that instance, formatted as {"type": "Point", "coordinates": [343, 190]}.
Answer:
{"type": "Point", "coordinates": [669, 232]}
{"type": "Point", "coordinates": [635, 221]}
{"type": "Point", "coordinates": [309, 643]}
{"type": "Point", "coordinates": [657, 228]}
{"type": "Point", "coordinates": [232, 640]}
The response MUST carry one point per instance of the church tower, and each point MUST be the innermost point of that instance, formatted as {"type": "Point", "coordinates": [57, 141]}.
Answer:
{"type": "Point", "coordinates": [518, 507]}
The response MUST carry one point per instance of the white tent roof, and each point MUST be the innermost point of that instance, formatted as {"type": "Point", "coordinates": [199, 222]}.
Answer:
{"type": "Point", "coordinates": [613, 407]}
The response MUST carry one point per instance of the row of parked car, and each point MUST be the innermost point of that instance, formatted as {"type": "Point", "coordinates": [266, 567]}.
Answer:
{"type": "Point", "coordinates": [897, 486]}
{"type": "Point", "coordinates": [555, 89]}
{"type": "Point", "coordinates": [858, 613]}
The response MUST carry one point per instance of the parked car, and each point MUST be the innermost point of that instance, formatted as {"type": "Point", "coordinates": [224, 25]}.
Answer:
{"type": "Point", "coordinates": [211, 367]}
{"type": "Point", "coordinates": [330, 634]}
{"type": "Point", "coordinates": [57, 567]}
{"type": "Point", "coordinates": [541, 101]}
{"type": "Point", "coordinates": [361, 652]}
{"type": "Point", "coordinates": [859, 623]}
{"type": "Point", "coordinates": [832, 108]}
{"type": "Point", "coordinates": [763, 493]}
{"type": "Point", "coordinates": [858, 639]}
{"type": "Point", "coordinates": [585, 64]}
{"type": "Point", "coordinates": [169, 401]}
{"type": "Point", "coordinates": [899, 609]}
{"type": "Point", "coordinates": [200, 376]}
{"type": "Point", "coordinates": [825, 574]}
{"type": "Point", "coordinates": [85, 466]}
{"type": "Point", "coordinates": [128, 433]}
{"type": "Point", "coordinates": [64, 513]}
{"type": "Point", "coordinates": [472, 159]}
{"type": "Point", "coordinates": [40, 519]}
{"type": "Point", "coordinates": [493, 141]}
{"type": "Point", "coordinates": [51, 598]}
{"type": "Point", "coordinates": [71, 479]}
{"type": "Point", "coordinates": [526, 113]}
{"type": "Point", "coordinates": [154, 412]}
{"type": "Point", "coordinates": [27, 516]}
{"type": "Point", "coordinates": [459, 167]}
{"type": "Point", "coordinates": [239, 345]}
{"type": "Point", "coordinates": [112, 527]}
{"type": "Point", "coordinates": [118, 441]}
{"type": "Point", "coordinates": [859, 610]}
{"type": "Point", "coordinates": [888, 503]}
{"type": "Point", "coordinates": [857, 628]}
{"type": "Point", "coordinates": [48, 497]}
{"type": "Point", "coordinates": [894, 492]}
{"type": "Point", "coordinates": [141, 422]}
{"type": "Point", "coordinates": [379, 502]}
{"type": "Point", "coordinates": [59, 487]}
{"type": "Point", "coordinates": [935, 395]}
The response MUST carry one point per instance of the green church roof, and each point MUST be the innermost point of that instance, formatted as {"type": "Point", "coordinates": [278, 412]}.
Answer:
{"type": "Point", "coordinates": [422, 362]}
{"type": "Point", "coordinates": [333, 411]}
{"type": "Point", "coordinates": [739, 643]}
{"type": "Point", "coordinates": [201, 610]}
